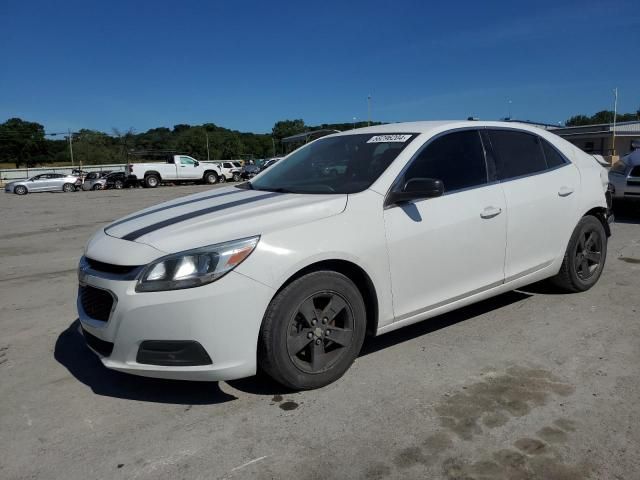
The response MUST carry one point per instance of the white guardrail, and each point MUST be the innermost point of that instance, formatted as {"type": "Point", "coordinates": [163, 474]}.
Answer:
{"type": "Point", "coordinates": [10, 174]}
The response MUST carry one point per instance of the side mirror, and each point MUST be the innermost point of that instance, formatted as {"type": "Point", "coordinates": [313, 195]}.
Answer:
{"type": "Point", "coordinates": [196, 164]}
{"type": "Point", "coordinates": [415, 189]}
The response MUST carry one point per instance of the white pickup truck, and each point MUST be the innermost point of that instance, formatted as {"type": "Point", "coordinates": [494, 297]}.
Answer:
{"type": "Point", "coordinates": [178, 168]}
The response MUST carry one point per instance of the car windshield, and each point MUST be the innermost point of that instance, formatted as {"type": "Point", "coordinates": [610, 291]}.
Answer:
{"type": "Point", "coordinates": [341, 164]}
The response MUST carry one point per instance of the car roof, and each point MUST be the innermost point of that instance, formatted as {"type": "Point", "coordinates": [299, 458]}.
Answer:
{"type": "Point", "coordinates": [439, 125]}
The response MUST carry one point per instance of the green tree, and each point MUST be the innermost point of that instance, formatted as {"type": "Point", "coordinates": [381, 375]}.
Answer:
{"type": "Point", "coordinates": [22, 142]}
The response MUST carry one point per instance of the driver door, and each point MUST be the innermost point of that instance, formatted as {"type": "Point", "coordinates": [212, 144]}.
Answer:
{"type": "Point", "coordinates": [38, 183]}
{"type": "Point", "coordinates": [188, 170]}
{"type": "Point", "coordinates": [446, 248]}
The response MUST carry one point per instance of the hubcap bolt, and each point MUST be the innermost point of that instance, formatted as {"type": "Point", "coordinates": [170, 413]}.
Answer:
{"type": "Point", "coordinates": [314, 321]}
{"type": "Point", "coordinates": [318, 341]}
{"type": "Point", "coordinates": [309, 335]}
{"type": "Point", "coordinates": [325, 320]}
{"type": "Point", "coordinates": [328, 332]}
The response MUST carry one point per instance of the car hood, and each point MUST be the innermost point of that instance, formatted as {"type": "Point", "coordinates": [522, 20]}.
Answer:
{"type": "Point", "coordinates": [221, 215]}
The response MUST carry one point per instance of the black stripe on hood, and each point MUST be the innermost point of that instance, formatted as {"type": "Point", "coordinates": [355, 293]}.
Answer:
{"type": "Point", "coordinates": [198, 213]}
{"type": "Point", "coordinates": [167, 207]}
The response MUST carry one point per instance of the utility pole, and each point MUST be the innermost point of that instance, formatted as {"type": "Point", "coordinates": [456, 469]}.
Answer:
{"type": "Point", "coordinates": [70, 146]}
{"type": "Point", "coordinates": [369, 110]}
{"type": "Point", "coordinates": [207, 135]}
{"type": "Point", "coordinates": [273, 142]}
{"type": "Point", "coordinates": [615, 114]}
{"type": "Point", "coordinates": [354, 123]}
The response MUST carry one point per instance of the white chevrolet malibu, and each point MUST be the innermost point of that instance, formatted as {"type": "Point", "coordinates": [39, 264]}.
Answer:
{"type": "Point", "coordinates": [359, 232]}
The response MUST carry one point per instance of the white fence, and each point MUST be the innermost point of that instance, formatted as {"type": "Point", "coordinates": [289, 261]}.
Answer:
{"type": "Point", "coordinates": [10, 174]}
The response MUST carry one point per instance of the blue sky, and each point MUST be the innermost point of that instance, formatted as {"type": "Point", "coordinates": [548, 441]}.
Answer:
{"type": "Point", "coordinates": [246, 64]}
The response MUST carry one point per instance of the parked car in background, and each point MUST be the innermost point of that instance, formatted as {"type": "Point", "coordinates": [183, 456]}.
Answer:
{"type": "Point", "coordinates": [249, 170]}
{"type": "Point", "coordinates": [45, 182]}
{"type": "Point", "coordinates": [95, 180]}
{"type": "Point", "coordinates": [178, 168]}
{"type": "Point", "coordinates": [118, 180]}
{"type": "Point", "coordinates": [270, 162]}
{"type": "Point", "coordinates": [624, 176]}
{"type": "Point", "coordinates": [230, 171]}
{"type": "Point", "coordinates": [427, 217]}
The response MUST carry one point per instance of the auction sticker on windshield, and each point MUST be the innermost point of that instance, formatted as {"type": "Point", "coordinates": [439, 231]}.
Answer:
{"type": "Point", "coordinates": [389, 138]}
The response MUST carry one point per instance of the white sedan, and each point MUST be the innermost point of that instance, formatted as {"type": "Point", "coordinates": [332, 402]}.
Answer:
{"type": "Point", "coordinates": [290, 271]}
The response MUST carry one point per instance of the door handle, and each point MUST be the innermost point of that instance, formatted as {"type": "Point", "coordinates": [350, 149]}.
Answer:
{"type": "Point", "coordinates": [183, 166]}
{"type": "Point", "coordinates": [565, 191]}
{"type": "Point", "coordinates": [490, 212]}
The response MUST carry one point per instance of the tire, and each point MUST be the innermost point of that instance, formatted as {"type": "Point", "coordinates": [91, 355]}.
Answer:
{"type": "Point", "coordinates": [210, 178]}
{"type": "Point", "coordinates": [20, 190]}
{"type": "Point", "coordinates": [151, 181]}
{"type": "Point", "coordinates": [236, 177]}
{"type": "Point", "coordinates": [118, 184]}
{"type": "Point", "coordinates": [585, 257]}
{"type": "Point", "coordinates": [68, 187]}
{"type": "Point", "coordinates": [97, 186]}
{"type": "Point", "coordinates": [300, 350]}
{"type": "Point", "coordinates": [223, 179]}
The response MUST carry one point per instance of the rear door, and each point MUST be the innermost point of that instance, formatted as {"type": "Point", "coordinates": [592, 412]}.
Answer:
{"type": "Point", "coordinates": [539, 185]}
{"type": "Point", "coordinates": [450, 247]}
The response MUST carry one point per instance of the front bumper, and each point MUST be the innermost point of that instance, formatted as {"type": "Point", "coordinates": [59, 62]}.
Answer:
{"type": "Point", "coordinates": [223, 317]}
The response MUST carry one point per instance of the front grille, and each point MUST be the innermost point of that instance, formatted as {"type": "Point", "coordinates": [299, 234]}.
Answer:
{"type": "Point", "coordinates": [95, 302]}
{"type": "Point", "coordinates": [103, 347]}
{"type": "Point", "coordinates": [109, 267]}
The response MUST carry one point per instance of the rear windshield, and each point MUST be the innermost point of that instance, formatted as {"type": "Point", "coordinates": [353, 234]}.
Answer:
{"type": "Point", "coordinates": [341, 164]}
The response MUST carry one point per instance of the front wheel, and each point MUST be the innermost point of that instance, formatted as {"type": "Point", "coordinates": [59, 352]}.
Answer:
{"type": "Point", "coordinates": [20, 190]}
{"type": "Point", "coordinates": [236, 177]}
{"type": "Point", "coordinates": [118, 184]}
{"type": "Point", "coordinates": [312, 331]}
{"type": "Point", "coordinates": [223, 179]}
{"type": "Point", "coordinates": [585, 257]}
{"type": "Point", "coordinates": [68, 187]}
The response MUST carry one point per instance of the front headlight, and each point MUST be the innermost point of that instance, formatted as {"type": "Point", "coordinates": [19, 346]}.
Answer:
{"type": "Point", "coordinates": [193, 268]}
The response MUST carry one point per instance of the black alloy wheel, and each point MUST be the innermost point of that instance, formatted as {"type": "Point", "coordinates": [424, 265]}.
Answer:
{"type": "Point", "coordinates": [588, 253]}
{"type": "Point", "coordinates": [320, 332]}
{"type": "Point", "coordinates": [584, 258]}
{"type": "Point", "coordinates": [312, 330]}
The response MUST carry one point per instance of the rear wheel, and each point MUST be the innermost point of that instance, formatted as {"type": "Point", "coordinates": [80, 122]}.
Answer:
{"type": "Point", "coordinates": [585, 257]}
{"type": "Point", "coordinates": [151, 181]}
{"type": "Point", "coordinates": [68, 187]}
{"type": "Point", "coordinates": [236, 177]}
{"type": "Point", "coordinates": [20, 190]}
{"type": "Point", "coordinates": [210, 178]}
{"type": "Point", "coordinates": [313, 331]}
{"type": "Point", "coordinates": [97, 186]}
{"type": "Point", "coordinates": [118, 184]}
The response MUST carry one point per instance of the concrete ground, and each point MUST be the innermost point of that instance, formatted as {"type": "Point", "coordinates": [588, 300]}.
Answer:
{"type": "Point", "coordinates": [531, 384]}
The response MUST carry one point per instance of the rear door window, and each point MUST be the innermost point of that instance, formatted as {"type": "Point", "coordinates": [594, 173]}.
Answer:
{"type": "Point", "coordinates": [517, 153]}
{"type": "Point", "coordinates": [457, 159]}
